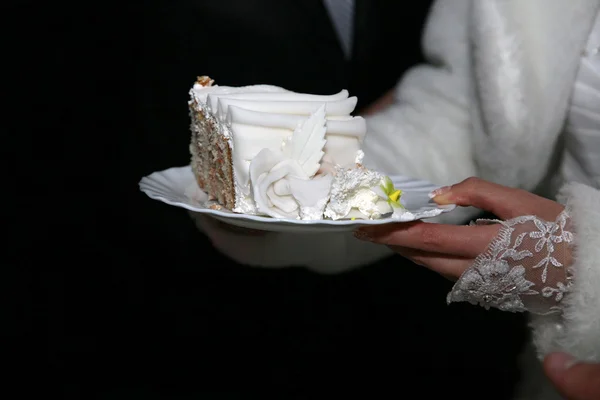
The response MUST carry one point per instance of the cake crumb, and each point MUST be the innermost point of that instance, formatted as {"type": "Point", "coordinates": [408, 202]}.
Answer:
{"type": "Point", "coordinates": [204, 81]}
{"type": "Point", "coordinates": [216, 207]}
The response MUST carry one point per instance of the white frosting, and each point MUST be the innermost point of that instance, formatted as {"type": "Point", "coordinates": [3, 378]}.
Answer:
{"type": "Point", "coordinates": [312, 195]}
{"type": "Point", "coordinates": [281, 179]}
{"type": "Point", "coordinates": [294, 155]}
{"type": "Point", "coordinates": [295, 107]}
{"type": "Point", "coordinates": [263, 116]}
{"type": "Point", "coordinates": [360, 155]}
{"type": "Point", "coordinates": [273, 93]}
{"type": "Point", "coordinates": [200, 93]}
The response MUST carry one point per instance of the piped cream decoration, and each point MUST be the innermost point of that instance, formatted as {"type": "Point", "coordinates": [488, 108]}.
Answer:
{"type": "Point", "coordinates": [282, 180]}
{"type": "Point", "coordinates": [359, 193]}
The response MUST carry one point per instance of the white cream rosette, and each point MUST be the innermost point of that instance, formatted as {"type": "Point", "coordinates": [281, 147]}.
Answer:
{"type": "Point", "coordinates": [284, 183]}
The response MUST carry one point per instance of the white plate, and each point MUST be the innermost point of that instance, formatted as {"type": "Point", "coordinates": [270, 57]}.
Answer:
{"type": "Point", "coordinates": [177, 187]}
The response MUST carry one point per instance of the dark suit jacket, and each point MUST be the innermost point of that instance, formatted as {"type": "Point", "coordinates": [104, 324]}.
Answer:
{"type": "Point", "coordinates": [289, 43]}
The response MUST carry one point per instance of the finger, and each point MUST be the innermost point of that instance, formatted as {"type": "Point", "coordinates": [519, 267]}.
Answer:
{"type": "Point", "coordinates": [449, 266]}
{"type": "Point", "coordinates": [452, 240]}
{"type": "Point", "coordinates": [580, 381]}
{"type": "Point", "coordinates": [502, 201]}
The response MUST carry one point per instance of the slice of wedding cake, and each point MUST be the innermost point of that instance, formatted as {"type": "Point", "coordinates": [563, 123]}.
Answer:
{"type": "Point", "coordinates": [266, 150]}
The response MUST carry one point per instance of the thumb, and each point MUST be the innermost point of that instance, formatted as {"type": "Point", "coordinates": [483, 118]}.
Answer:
{"type": "Point", "coordinates": [575, 381]}
{"type": "Point", "coordinates": [503, 201]}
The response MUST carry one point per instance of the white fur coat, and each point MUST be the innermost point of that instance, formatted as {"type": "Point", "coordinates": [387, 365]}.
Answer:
{"type": "Point", "coordinates": [492, 103]}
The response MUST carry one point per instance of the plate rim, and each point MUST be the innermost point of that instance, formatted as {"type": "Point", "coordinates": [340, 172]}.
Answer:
{"type": "Point", "coordinates": [264, 219]}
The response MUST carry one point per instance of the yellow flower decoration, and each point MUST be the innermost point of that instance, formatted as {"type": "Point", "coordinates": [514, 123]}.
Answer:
{"type": "Point", "coordinates": [393, 194]}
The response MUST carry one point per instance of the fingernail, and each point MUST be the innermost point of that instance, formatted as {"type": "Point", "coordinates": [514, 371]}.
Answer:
{"type": "Point", "coordinates": [439, 191]}
{"type": "Point", "coordinates": [362, 235]}
{"type": "Point", "coordinates": [560, 362]}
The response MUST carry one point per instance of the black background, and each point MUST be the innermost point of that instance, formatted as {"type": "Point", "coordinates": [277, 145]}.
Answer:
{"type": "Point", "coordinates": [111, 295]}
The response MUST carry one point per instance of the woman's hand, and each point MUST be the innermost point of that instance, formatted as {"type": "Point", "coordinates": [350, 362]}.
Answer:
{"type": "Point", "coordinates": [575, 381]}
{"type": "Point", "coordinates": [449, 249]}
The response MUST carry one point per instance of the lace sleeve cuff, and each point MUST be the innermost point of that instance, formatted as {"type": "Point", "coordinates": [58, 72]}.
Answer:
{"type": "Point", "coordinates": [525, 268]}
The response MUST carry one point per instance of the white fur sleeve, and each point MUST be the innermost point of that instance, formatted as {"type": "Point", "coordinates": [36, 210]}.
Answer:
{"type": "Point", "coordinates": [577, 330]}
{"type": "Point", "coordinates": [427, 133]}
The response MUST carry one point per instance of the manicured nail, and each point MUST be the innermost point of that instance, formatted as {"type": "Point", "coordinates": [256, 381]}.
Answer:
{"type": "Point", "coordinates": [362, 235]}
{"type": "Point", "coordinates": [439, 191]}
{"type": "Point", "coordinates": [560, 362]}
